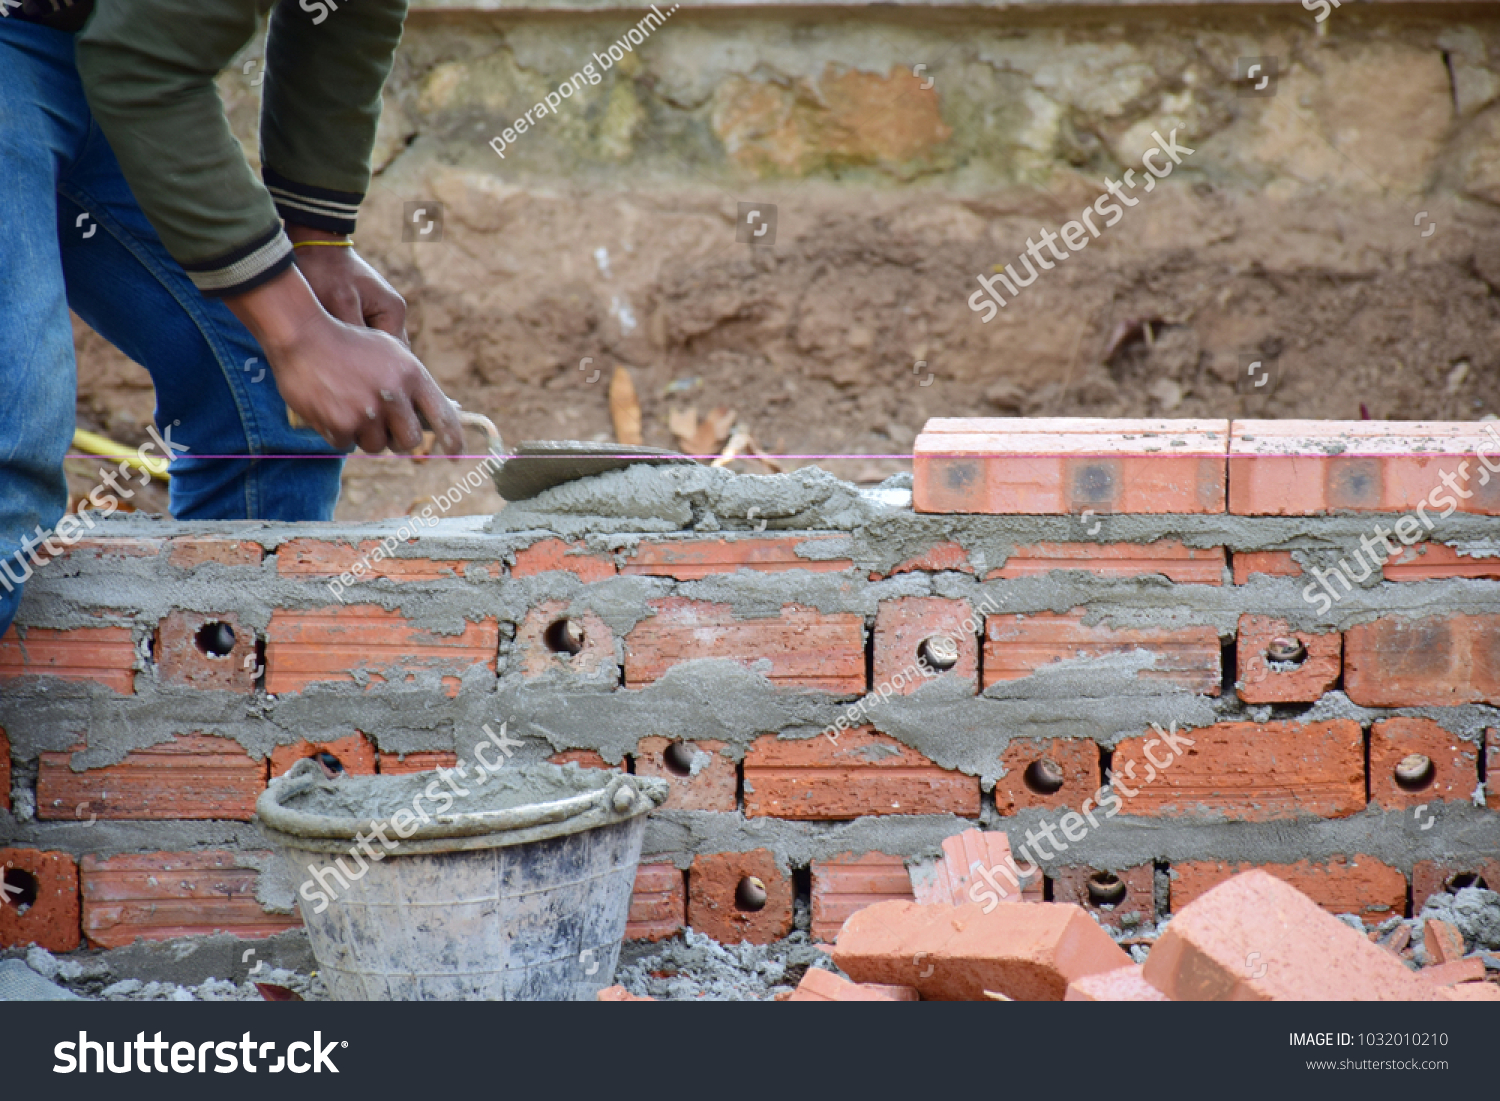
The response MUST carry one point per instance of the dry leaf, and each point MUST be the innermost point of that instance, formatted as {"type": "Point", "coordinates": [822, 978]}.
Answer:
{"type": "Point", "coordinates": [683, 424]}
{"type": "Point", "coordinates": [712, 431]}
{"type": "Point", "coordinates": [271, 992]}
{"type": "Point", "coordinates": [625, 408]}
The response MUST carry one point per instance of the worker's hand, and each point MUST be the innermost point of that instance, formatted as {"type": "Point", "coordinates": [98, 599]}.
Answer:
{"type": "Point", "coordinates": [350, 289]}
{"type": "Point", "coordinates": [351, 384]}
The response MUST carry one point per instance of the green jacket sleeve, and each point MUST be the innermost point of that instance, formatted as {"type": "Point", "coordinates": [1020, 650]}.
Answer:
{"type": "Point", "coordinates": [148, 69]}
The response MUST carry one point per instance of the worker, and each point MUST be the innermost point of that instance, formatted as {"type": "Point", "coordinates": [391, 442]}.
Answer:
{"type": "Point", "coordinates": [125, 196]}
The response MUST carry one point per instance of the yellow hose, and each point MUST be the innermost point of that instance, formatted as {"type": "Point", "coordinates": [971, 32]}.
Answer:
{"type": "Point", "coordinates": [94, 444]}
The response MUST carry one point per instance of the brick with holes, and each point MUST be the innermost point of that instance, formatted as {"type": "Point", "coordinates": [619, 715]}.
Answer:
{"type": "Point", "coordinates": [1279, 665]}
{"type": "Point", "coordinates": [1450, 874]}
{"type": "Point", "coordinates": [799, 648]}
{"type": "Point", "coordinates": [702, 777]}
{"type": "Point", "coordinates": [162, 896]}
{"type": "Point", "coordinates": [863, 773]}
{"type": "Point", "coordinates": [847, 883]}
{"type": "Point", "coordinates": [209, 651]}
{"type": "Point", "coordinates": [922, 639]}
{"type": "Point", "coordinates": [192, 776]}
{"type": "Point", "coordinates": [1047, 772]}
{"type": "Point", "coordinates": [353, 751]}
{"type": "Point", "coordinates": [1051, 465]}
{"type": "Point", "coordinates": [1123, 898]}
{"type": "Point", "coordinates": [554, 639]}
{"type": "Point", "coordinates": [1019, 646]}
{"type": "Point", "coordinates": [103, 655]}
{"type": "Point", "coordinates": [736, 897]}
{"type": "Point", "coordinates": [1246, 771]}
{"type": "Point", "coordinates": [1415, 761]}
{"type": "Point", "coordinates": [1359, 884]}
{"type": "Point", "coordinates": [1309, 468]}
{"type": "Point", "coordinates": [39, 900]}
{"type": "Point", "coordinates": [1437, 660]}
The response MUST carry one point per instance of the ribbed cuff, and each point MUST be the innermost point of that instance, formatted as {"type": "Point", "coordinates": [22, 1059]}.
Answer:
{"type": "Point", "coordinates": [314, 207]}
{"type": "Point", "coordinates": [244, 269]}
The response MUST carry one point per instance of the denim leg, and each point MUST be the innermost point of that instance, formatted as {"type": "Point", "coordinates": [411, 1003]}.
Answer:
{"type": "Point", "coordinates": [213, 385]}
{"type": "Point", "coordinates": [40, 128]}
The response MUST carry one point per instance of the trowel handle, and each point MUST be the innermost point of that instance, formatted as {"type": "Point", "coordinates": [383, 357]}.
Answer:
{"type": "Point", "coordinates": [479, 420]}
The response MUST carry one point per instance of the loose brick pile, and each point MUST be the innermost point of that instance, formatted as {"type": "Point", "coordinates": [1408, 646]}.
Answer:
{"type": "Point", "coordinates": [1114, 576]}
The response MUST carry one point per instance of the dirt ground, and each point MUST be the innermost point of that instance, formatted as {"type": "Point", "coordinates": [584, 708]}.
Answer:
{"type": "Point", "coordinates": [853, 329]}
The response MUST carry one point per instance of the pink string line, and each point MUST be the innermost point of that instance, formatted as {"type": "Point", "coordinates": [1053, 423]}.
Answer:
{"type": "Point", "coordinates": [528, 458]}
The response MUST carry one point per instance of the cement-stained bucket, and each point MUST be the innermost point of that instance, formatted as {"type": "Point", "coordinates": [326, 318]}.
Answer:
{"type": "Point", "coordinates": [515, 890]}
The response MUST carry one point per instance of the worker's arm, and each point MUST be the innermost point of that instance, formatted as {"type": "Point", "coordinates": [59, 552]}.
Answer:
{"type": "Point", "coordinates": [148, 68]}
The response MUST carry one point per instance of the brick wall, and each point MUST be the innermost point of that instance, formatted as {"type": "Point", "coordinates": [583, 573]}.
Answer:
{"type": "Point", "coordinates": [1142, 667]}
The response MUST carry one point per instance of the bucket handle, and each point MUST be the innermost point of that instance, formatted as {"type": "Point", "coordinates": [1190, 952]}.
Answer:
{"type": "Point", "coordinates": [617, 799]}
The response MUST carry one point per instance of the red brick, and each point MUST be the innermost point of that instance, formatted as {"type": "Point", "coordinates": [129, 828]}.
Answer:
{"type": "Point", "coordinates": [52, 919]}
{"type": "Point", "coordinates": [818, 985]}
{"type": "Point", "coordinates": [4, 771]}
{"type": "Point", "coordinates": [353, 751]}
{"type": "Point", "coordinates": [190, 776]}
{"type": "Point", "coordinates": [1016, 646]}
{"type": "Point", "coordinates": [1271, 563]}
{"type": "Point", "coordinates": [1122, 985]}
{"type": "Point", "coordinates": [1256, 938]}
{"type": "Point", "coordinates": [1051, 465]}
{"type": "Point", "coordinates": [181, 659]}
{"type": "Point", "coordinates": [393, 764]}
{"type": "Point", "coordinates": [970, 858]}
{"type": "Point", "coordinates": [865, 773]}
{"type": "Point", "coordinates": [1425, 561]}
{"type": "Point", "coordinates": [317, 558]}
{"type": "Point", "coordinates": [939, 557]}
{"type": "Point", "coordinates": [957, 953]}
{"type": "Point", "coordinates": [1167, 558]}
{"type": "Point", "coordinates": [714, 903]}
{"type": "Point", "coordinates": [1094, 891]}
{"type": "Point", "coordinates": [658, 905]}
{"type": "Point", "coordinates": [1455, 765]}
{"type": "Point", "coordinates": [805, 648]}
{"type": "Point", "coordinates": [618, 993]}
{"type": "Point", "coordinates": [1444, 943]}
{"type": "Point", "coordinates": [105, 655]}
{"type": "Point", "coordinates": [1308, 468]}
{"type": "Point", "coordinates": [1362, 885]}
{"type": "Point", "coordinates": [554, 555]}
{"type": "Point", "coordinates": [188, 552]}
{"type": "Point", "coordinates": [690, 559]}
{"type": "Point", "coordinates": [1435, 661]}
{"type": "Point", "coordinates": [702, 778]}
{"type": "Point", "coordinates": [1431, 877]}
{"type": "Point", "coordinates": [848, 883]}
{"type": "Point", "coordinates": [583, 758]}
{"type": "Point", "coordinates": [1262, 680]}
{"type": "Point", "coordinates": [901, 628]}
{"type": "Point", "coordinates": [1454, 972]}
{"type": "Point", "coordinates": [333, 644]}
{"type": "Point", "coordinates": [114, 546]}
{"type": "Point", "coordinates": [1492, 767]}
{"type": "Point", "coordinates": [540, 646]}
{"type": "Point", "coordinates": [1076, 760]}
{"type": "Point", "coordinates": [159, 896]}
{"type": "Point", "coordinates": [1251, 772]}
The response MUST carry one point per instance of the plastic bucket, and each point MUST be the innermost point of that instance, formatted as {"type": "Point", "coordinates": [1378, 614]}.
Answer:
{"type": "Point", "coordinates": [519, 891]}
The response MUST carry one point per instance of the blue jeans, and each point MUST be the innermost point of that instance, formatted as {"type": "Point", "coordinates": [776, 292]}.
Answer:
{"type": "Point", "coordinates": [71, 235]}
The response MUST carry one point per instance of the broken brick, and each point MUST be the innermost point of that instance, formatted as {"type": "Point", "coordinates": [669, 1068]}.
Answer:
{"type": "Point", "coordinates": [818, 985]}
{"type": "Point", "coordinates": [1122, 985]}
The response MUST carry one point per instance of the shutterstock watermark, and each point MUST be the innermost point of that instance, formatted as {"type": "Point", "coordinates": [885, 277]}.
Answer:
{"type": "Point", "coordinates": [628, 41]}
{"type": "Point", "coordinates": [987, 888]}
{"type": "Point", "coordinates": [73, 525]}
{"type": "Point", "coordinates": [1408, 529]}
{"type": "Point", "coordinates": [405, 822]}
{"type": "Point", "coordinates": [1073, 233]}
{"type": "Point", "coordinates": [934, 656]}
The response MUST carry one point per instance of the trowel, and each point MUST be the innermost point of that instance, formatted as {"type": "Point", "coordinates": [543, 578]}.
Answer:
{"type": "Point", "coordinates": [538, 465]}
